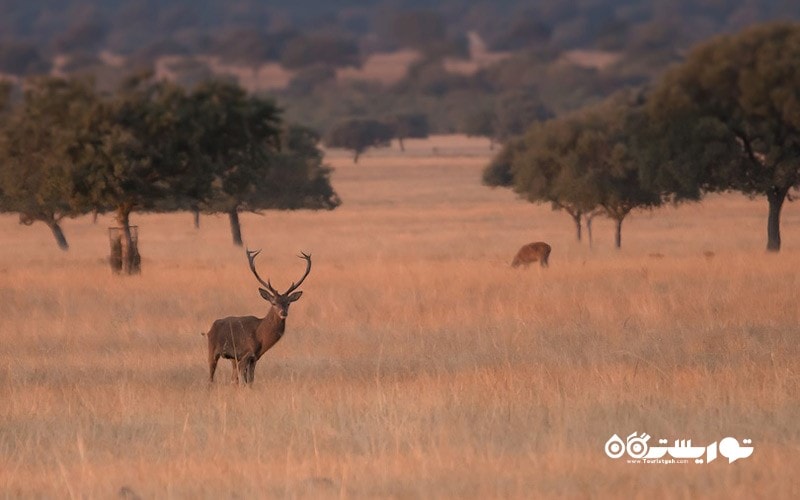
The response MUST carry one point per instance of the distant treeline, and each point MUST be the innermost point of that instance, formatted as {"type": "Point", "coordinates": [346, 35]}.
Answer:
{"type": "Point", "coordinates": [314, 38]}
{"type": "Point", "coordinates": [129, 26]}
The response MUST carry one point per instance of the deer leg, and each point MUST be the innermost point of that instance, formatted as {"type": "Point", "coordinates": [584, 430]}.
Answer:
{"type": "Point", "coordinates": [244, 369]}
{"type": "Point", "coordinates": [234, 372]}
{"type": "Point", "coordinates": [251, 370]}
{"type": "Point", "coordinates": [213, 357]}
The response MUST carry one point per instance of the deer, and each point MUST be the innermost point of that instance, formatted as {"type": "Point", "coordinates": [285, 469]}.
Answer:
{"type": "Point", "coordinates": [532, 252]}
{"type": "Point", "coordinates": [244, 339]}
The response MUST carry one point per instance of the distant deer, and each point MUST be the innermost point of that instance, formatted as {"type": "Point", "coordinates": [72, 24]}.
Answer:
{"type": "Point", "coordinates": [532, 252]}
{"type": "Point", "coordinates": [244, 339]}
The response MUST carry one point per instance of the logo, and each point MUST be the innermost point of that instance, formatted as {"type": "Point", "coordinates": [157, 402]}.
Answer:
{"type": "Point", "coordinates": [681, 452]}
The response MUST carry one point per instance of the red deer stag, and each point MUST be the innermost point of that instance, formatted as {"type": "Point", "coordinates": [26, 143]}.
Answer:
{"type": "Point", "coordinates": [532, 252]}
{"type": "Point", "coordinates": [244, 339]}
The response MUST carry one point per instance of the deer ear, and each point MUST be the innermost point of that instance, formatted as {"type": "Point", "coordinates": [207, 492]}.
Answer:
{"type": "Point", "coordinates": [267, 296]}
{"type": "Point", "coordinates": [295, 296]}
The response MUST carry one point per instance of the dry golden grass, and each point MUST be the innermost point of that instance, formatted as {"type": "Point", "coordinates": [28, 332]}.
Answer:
{"type": "Point", "coordinates": [417, 364]}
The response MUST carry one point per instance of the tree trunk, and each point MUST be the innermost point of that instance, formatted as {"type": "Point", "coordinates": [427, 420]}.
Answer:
{"type": "Point", "coordinates": [126, 242]}
{"type": "Point", "coordinates": [402, 147]}
{"type": "Point", "coordinates": [94, 216]}
{"type": "Point", "coordinates": [589, 219]}
{"type": "Point", "coordinates": [775, 197]}
{"type": "Point", "coordinates": [236, 228]}
{"type": "Point", "coordinates": [196, 214]}
{"type": "Point", "coordinates": [58, 234]}
{"type": "Point", "coordinates": [618, 233]}
{"type": "Point", "coordinates": [355, 156]}
{"type": "Point", "coordinates": [130, 261]}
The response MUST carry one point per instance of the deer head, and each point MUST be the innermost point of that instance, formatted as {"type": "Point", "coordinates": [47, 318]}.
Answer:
{"type": "Point", "coordinates": [280, 301]}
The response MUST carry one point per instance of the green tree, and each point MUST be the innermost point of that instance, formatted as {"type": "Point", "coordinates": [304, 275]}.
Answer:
{"type": "Point", "coordinates": [410, 126]}
{"type": "Point", "coordinates": [541, 167]}
{"type": "Point", "coordinates": [512, 113]}
{"type": "Point", "coordinates": [306, 80]}
{"type": "Point", "coordinates": [85, 35]}
{"type": "Point", "coordinates": [238, 134]}
{"type": "Point", "coordinates": [256, 163]}
{"type": "Point", "coordinates": [290, 177]}
{"type": "Point", "coordinates": [22, 59]}
{"type": "Point", "coordinates": [729, 119]}
{"type": "Point", "coordinates": [417, 29]}
{"type": "Point", "coordinates": [6, 87]}
{"type": "Point", "coordinates": [610, 145]}
{"type": "Point", "coordinates": [358, 135]}
{"type": "Point", "coordinates": [309, 50]}
{"type": "Point", "coordinates": [480, 124]}
{"type": "Point", "coordinates": [129, 159]}
{"type": "Point", "coordinates": [297, 177]}
{"type": "Point", "coordinates": [580, 163]}
{"type": "Point", "coordinates": [37, 150]}
{"type": "Point", "coordinates": [517, 110]}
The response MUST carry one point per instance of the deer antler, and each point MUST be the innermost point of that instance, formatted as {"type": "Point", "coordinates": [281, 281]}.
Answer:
{"type": "Point", "coordinates": [251, 258]}
{"type": "Point", "coordinates": [294, 286]}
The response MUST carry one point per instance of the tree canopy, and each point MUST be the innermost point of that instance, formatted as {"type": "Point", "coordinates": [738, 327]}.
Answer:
{"type": "Point", "coordinates": [151, 146]}
{"type": "Point", "coordinates": [581, 162]}
{"type": "Point", "coordinates": [358, 135]}
{"type": "Point", "coordinates": [38, 151]}
{"type": "Point", "coordinates": [729, 119]}
{"type": "Point", "coordinates": [410, 126]}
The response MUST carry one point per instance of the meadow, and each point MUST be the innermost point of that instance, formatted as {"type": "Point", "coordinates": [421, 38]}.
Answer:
{"type": "Point", "coordinates": [417, 364]}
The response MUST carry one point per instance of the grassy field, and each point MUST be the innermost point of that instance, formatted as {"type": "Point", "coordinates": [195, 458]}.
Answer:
{"type": "Point", "coordinates": [418, 364]}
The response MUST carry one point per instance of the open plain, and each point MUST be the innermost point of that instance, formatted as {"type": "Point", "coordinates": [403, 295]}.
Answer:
{"type": "Point", "coordinates": [418, 364]}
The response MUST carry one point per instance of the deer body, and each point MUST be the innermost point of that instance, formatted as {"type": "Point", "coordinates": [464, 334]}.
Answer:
{"type": "Point", "coordinates": [244, 339]}
{"type": "Point", "coordinates": [532, 252]}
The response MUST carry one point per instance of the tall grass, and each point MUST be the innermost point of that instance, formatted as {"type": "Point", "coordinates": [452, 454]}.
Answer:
{"type": "Point", "coordinates": [417, 364]}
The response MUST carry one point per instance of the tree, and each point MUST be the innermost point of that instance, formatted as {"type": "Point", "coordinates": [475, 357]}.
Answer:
{"type": "Point", "coordinates": [729, 119]}
{"type": "Point", "coordinates": [22, 59]}
{"type": "Point", "coordinates": [255, 162]}
{"type": "Point", "coordinates": [525, 32]}
{"type": "Point", "coordinates": [250, 46]}
{"type": "Point", "coordinates": [417, 29]}
{"type": "Point", "coordinates": [237, 135]}
{"type": "Point", "coordinates": [309, 50]}
{"type": "Point", "coordinates": [498, 172]}
{"type": "Point", "coordinates": [512, 113]}
{"type": "Point", "coordinates": [306, 80]}
{"type": "Point", "coordinates": [358, 135]}
{"type": "Point", "coordinates": [129, 157]}
{"type": "Point", "coordinates": [541, 167]}
{"type": "Point", "coordinates": [579, 163]}
{"type": "Point", "coordinates": [297, 176]}
{"type": "Point", "coordinates": [410, 126]}
{"type": "Point", "coordinates": [85, 35]}
{"type": "Point", "coordinates": [291, 177]}
{"type": "Point", "coordinates": [480, 124]}
{"type": "Point", "coordinates": [425, 30]}
{"type": "Point", "coordinates": [515, 111]}
{"type": "Point", "coordinates": [6, 87]}
{"type": "Point", "coordinates": [37, 149]}
{"type": "Point", "coordinates": [612, 147]}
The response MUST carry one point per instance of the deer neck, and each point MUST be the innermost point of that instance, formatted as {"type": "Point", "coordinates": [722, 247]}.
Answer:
{"type": "Point", "coordinates": [272, 327]}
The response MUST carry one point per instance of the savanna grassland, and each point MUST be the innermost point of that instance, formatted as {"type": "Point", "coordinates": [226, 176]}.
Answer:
{"type": "Point", "coordinates": [417, 364]}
